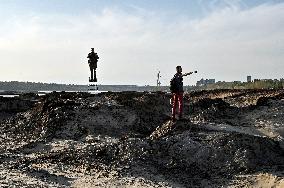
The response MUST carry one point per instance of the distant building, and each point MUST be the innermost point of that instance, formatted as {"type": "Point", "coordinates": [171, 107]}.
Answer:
{"type": "Point", "coordinates": [237, 82]}
{"type": "Point", "coordinates": [211, 81]}
{"type": "Point", "coordinates": [203, 82]}
{"type": "Point", "coordinates": [268, 80]}
{"type": "Point", "coordinates": [248, 78]}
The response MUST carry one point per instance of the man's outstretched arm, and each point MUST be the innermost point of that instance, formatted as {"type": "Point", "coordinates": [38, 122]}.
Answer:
{"type": "Point", "coordinates": [186, 74]}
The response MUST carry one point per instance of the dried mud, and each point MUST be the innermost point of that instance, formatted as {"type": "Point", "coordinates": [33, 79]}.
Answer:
{"type": "Point", "coordinates": [229, 138]}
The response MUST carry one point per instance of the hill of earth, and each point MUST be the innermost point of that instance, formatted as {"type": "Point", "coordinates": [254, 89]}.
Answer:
{"type": "Point", "coordinates": [229, 138]}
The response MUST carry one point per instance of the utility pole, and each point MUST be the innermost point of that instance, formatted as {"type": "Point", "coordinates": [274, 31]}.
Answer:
{"type": "Point", "coordinates": [158, 79]}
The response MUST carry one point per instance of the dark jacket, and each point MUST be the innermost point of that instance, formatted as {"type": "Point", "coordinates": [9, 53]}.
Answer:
{"type": "Point", "coordinates": [177, 82]}
{"type": "Point", "coordinates": [93, 57]}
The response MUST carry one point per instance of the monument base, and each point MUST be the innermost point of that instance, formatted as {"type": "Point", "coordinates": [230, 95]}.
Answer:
{"type": "Point", "coordinates": [93, 87]}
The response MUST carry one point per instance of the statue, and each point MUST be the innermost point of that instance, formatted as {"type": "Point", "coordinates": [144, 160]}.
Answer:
{"type": "Point", "coordinates": [93, 60]}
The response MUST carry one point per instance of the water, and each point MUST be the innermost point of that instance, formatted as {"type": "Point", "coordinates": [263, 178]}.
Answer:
{"type": "Point", "coordinates": [9, 96]}
{"type": "Point", "coordinates": [41, 93]}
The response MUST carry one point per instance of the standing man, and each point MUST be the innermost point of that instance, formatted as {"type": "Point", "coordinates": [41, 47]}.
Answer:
{"type": "Point", "coordinates": [176, 87]}
{"type": "Point", "coordinates": [93, 60]}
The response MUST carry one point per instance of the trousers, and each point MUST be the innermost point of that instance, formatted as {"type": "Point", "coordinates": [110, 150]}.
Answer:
{"type": "Point", "coordinates": [177, 99]}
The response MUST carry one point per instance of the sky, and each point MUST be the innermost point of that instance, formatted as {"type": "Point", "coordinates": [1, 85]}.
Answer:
{"type": "Point", "coordinates": [227, 40]}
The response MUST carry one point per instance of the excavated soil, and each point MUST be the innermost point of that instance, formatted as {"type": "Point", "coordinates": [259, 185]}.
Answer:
{"type": "Point", "coordinates": [228, 138]}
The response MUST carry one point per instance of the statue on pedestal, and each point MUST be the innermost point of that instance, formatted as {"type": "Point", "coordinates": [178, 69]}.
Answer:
{"type": "Point", "coordinates": [93, 60]}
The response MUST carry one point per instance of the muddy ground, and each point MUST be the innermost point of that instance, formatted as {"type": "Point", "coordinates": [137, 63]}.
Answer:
{"type": "Point", "coordinates": [229, 138]}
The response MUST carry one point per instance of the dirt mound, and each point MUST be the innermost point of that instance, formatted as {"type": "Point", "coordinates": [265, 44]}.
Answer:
{"type": "Point", "coordinates": [126, 139]}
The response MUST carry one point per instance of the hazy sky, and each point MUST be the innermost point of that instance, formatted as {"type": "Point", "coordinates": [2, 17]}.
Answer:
{"type": "Point", "coordinates": [48, 40]}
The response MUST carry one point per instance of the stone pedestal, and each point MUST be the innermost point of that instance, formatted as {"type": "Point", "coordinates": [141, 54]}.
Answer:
{"type": "Point", "coordinates": [93, 87]}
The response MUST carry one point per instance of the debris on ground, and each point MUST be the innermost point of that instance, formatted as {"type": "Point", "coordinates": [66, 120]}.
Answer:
{"type": "Point", "coordinates": [229, 138]}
